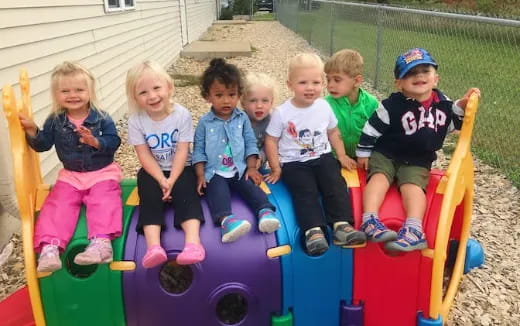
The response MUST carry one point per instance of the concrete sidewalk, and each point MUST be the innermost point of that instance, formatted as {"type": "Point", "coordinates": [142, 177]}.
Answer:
{"type": "Point", "coordinates": [216, 49]}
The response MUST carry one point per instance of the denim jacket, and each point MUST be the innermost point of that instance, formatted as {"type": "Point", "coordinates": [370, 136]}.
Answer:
{"type": "Point", "coordinates": [212, 135]}
{"type": "Point", "coordinates": [75, 156]}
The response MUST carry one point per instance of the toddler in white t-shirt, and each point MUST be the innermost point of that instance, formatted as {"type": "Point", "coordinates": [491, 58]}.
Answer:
{"type": "Point", "coordinates": [298, 144]}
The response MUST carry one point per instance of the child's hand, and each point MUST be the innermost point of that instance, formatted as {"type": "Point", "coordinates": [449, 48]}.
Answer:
{"type": "Point", "coordinates": [254, 175]}
{"type": "Point", "coordinates": [347, 162]}
{"type": "Point", "coordinates": [362, 163]}
{"type": "Point", "coordinates": [258, 163]}
{"type": "Point", "coordinates": [166, 187]}
{"type": "Point", "coordinates": [201, 183]}
{"type": "Point", "coordinates": [86, 137]}
{"type": "Point", "coordinates": [28, 125]}
{"type": "Point", "coordinates": [464, 100]}
{"type": "Point", "coordinates": [274, 175]}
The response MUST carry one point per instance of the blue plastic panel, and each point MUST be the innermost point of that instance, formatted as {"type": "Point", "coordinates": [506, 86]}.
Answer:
{"type": "Point", "coordinates": [313, 287]}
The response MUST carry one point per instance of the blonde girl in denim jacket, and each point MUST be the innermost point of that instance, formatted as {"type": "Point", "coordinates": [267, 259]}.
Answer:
{"type": "Point", "coordinates": [85, 139]}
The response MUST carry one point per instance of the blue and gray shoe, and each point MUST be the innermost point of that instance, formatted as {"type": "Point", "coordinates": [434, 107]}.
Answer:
{"type": "Point", "coordinates": [377, 231]}
{"type": "Point", "coordinates": [267, 221]}
{"type": "Point", "coordinates": [408, 239]}
{"type": "Point", "coordinates": [233, 228]}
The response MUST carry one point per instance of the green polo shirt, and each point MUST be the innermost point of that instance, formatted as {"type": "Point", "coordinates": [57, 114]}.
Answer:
{"type": "Point", "coordinates": [352, 118]}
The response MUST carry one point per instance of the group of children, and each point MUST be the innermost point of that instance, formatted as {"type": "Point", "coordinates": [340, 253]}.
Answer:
{"type": "Point", "coordinates": [305, 142]}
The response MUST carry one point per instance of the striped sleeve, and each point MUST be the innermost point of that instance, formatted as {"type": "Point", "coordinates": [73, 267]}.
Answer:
{"type": "Point", "coordinates": [457, 118]}
{"type": "Point", "coordinates": [373, 129]}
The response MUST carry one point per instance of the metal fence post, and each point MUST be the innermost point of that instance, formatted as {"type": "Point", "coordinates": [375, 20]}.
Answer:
{"type": "Point", "coordinates": [297, 17]}
{"type": "Point", "coordinates": [379, 45]}
{"type": "Point", "coordinates": [332, 21]}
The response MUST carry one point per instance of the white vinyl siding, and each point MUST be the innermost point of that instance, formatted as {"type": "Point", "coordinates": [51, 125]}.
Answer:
{"type": "Point", "coordinates": [38, 34]}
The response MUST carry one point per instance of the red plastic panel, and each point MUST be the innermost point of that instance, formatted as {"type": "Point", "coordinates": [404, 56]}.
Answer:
{"type": "Point", "coordinates": [393, 287]}
{"type": "Point", "coordinates": [16, 310]}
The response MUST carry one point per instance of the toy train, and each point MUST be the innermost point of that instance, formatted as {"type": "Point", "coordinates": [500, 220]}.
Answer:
{"type": "Point", "coordinates": [260, 279]}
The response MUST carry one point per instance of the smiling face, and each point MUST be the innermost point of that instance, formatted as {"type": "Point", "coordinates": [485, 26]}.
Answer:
{"type": "Point", "coordinates": [258, 102]}
{"type": "Point", "coordinates": [306, 84]}
{"type": "Point", "coordinates": [72, 94]}
{"type": "Point", "coordinates": [152, 94]}
{"type": "Point", "coordinates": [419, 82]}
{"type": "Point", "coordinates": [223, 99]}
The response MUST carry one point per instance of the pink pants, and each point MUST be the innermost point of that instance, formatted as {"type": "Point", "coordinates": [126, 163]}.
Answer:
{"type": "Point", "coordinates": [60, 212]}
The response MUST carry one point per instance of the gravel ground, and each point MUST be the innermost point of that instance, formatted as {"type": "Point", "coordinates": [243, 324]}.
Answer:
{"type": "Point", "coordinates": [487, 296]}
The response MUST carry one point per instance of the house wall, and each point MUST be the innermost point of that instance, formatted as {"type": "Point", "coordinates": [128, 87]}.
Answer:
{"type": "Point", "coordinates": [38, 34]}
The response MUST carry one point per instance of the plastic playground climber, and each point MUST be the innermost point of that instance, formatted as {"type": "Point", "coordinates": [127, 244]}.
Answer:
{"type": "Point", "coordinates": [263, 279]}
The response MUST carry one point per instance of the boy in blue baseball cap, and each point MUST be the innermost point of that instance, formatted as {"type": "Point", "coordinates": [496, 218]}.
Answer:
{"type": "Point", "coordinates": [401, 139]}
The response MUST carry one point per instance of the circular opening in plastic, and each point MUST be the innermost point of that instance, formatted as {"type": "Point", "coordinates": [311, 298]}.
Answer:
{"type": "Point", "coordinates": [231, 309]}
{"type": "Point", "coordinates": [175, 278]}
{"type": "Point", "coordinates": [78, 271]}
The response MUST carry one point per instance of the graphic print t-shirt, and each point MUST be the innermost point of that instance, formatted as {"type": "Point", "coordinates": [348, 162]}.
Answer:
{"type": "Point", "coordinates": [302, 132]}
{"type": "Point", "coordinates": [227, 167]}
{"type": "Point", "coordinates": [162, 136]}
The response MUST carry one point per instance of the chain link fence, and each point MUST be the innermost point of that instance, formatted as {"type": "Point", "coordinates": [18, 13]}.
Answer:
{"type": "Point", "coordinates": [472, 51]}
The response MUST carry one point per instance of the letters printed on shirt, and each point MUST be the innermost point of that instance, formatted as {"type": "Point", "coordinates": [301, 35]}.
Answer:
{"type": "Point", "coordinates": [162, 145]}
{"type": "Point", "coordinates": [427, 119]}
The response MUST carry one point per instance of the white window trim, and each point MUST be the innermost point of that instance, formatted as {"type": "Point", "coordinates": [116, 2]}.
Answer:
{"type": "Point", "coordinates": [122, 6]}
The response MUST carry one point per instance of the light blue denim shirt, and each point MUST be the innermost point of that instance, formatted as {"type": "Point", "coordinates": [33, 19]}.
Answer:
{"type": "Point", "coordinates": [212, 135]}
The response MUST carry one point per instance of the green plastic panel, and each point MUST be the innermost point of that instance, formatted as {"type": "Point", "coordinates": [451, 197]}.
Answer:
{"type": "Point", "coordinates": [87, 295]}
{"type": "Point", "coordinates": [285, 320]}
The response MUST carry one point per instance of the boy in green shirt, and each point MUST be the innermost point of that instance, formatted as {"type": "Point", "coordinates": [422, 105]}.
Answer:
{"type": "Point", "coordinates": [351, 104]}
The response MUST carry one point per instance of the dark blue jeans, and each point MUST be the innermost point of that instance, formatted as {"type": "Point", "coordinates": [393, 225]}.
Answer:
{"type": "Point", "coordinates": [218, 196]}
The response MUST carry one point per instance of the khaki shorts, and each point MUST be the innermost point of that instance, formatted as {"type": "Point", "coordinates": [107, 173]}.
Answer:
{"type": "Point", "coordinates": [417, 175]}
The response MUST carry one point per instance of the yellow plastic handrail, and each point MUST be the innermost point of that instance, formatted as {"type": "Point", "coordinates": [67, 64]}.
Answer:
{"type": "Point", "coordinates": [456, 185]}
{"type": "Point", "coordinates": [27, 180]}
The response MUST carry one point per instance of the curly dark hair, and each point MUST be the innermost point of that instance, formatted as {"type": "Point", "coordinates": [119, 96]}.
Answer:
{"type": "Point", "coordinates": [223, 72]}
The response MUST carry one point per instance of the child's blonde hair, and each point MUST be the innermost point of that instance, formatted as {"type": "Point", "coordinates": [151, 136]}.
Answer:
{"type": "Point", "coordinates": [259, 79]}
{"type": "Point", "coordinates": [134, 74]}
{"type": "Point", "coordinates": [345, 61]}
{"type": "Point", "coordinates": [72, 69]}
{"type": "Point", "coordinates": [304, 60]}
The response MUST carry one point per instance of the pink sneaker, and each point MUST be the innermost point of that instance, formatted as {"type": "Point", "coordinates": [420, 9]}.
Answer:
{"type": "Point", "coordinates": [49, 260]}
{"type": "Point", "coordinates": [98, 251]}
{"type": "Point", "coordinates": [155, 255]}
{"type": "Point", "coordinates": [191, 254]}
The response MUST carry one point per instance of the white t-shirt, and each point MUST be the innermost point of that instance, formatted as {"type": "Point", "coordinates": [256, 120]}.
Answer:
{"type": "Point", "coordinates": [162, 136]}
{"type": "Point", "coordinates": [302, 132]}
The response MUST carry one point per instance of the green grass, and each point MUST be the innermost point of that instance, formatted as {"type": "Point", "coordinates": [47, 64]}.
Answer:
{"type": "Point", "coordinates": [483, 56]}
{"type": "Point", "coordinates": [264, 17]}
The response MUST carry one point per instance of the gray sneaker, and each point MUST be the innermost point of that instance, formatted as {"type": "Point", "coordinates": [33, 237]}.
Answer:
{"type": "Point", "coordinates": [316, 243]}
{"type": "Point", "coordinates": [346, 235]}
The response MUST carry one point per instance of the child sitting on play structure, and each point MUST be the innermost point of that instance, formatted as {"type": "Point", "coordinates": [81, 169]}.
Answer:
{"type": "Point", "coordinates": [298, 147]}
{"type": "Point", "coordinates": [351, 104]}
{"type": "Point", "coordinates": [161, 132]}
{"type": "Point", "coordinates": [85, 139]}
{"type": "Point", "coordinates": [257, 101]}
{"type": "Point", "coordinates": [225, 154]}
{"type": "Point", "coordinates": [401, 138]}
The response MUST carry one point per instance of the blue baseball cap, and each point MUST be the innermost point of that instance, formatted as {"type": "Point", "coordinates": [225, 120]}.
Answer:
{"type": "Point", "coordinates": [406, 61]}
